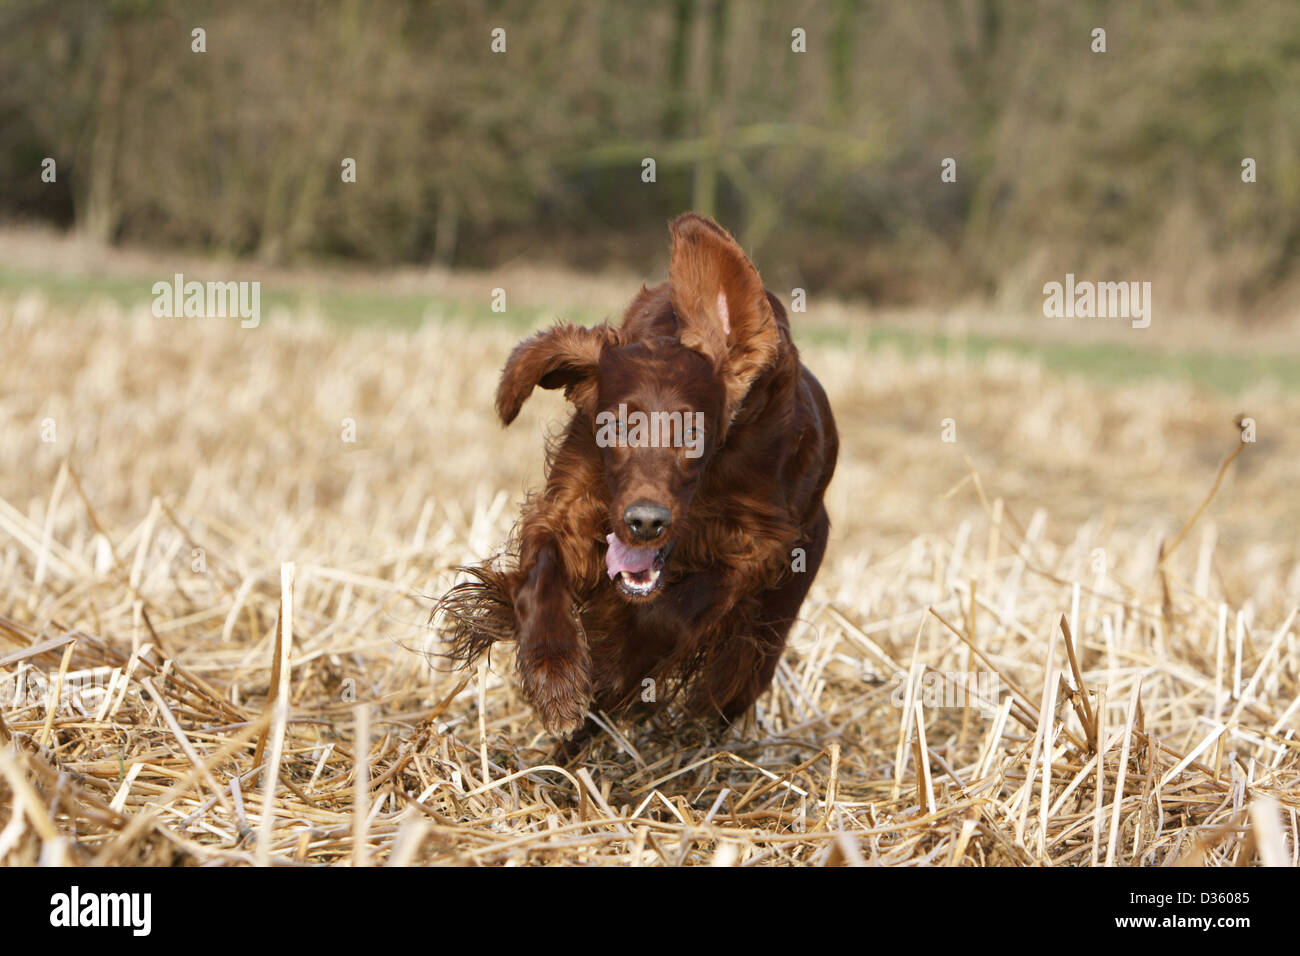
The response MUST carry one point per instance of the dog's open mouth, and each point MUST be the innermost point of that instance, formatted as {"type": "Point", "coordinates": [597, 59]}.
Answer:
{"type": "Point", "coordinates": [637, 572]}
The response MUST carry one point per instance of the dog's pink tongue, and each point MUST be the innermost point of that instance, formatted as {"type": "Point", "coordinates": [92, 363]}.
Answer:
{"type": "Point", "coordinates": [620, 557]}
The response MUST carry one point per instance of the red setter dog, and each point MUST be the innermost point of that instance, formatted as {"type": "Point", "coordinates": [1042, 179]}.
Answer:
{"type": "Point", "coordinates": [682, 521]}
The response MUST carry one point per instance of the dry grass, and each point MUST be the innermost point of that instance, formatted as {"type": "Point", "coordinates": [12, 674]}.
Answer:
{"type": "Point", "coordinates": [1146, 710]}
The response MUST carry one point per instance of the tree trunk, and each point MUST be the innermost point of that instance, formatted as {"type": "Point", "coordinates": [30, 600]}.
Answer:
{"type": "Point", "coordinates": [705, 193]}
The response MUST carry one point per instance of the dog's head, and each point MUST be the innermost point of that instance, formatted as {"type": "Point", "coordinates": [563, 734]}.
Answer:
{"type": "Point", "coordinates": [659, 405]}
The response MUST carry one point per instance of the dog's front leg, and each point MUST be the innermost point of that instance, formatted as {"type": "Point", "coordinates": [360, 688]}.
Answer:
{"type": "Point", "coordinates": [552, 658]}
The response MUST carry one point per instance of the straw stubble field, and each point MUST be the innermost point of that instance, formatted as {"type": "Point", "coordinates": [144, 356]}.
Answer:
{"type": "Point", "coordinates": [176, 490]}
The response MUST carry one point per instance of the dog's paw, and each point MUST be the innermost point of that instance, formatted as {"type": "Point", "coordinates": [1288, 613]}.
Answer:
{"type": "Point", "coordinates": [558, 685]}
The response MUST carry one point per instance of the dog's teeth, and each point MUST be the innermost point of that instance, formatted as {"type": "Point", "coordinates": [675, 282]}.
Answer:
{"type": "Point", "coordinates": [634, 584]}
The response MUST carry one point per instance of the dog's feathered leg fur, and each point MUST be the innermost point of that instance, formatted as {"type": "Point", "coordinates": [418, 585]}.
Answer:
{"type": "Point", "coordinates": [475, 614]}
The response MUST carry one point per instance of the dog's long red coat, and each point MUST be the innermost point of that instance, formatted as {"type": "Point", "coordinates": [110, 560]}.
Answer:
{"type": "Point", "coordinates": [748, 529]}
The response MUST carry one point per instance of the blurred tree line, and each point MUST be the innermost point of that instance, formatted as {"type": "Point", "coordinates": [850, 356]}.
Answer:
{"type": "Point", "coordinates": [1125, 164]}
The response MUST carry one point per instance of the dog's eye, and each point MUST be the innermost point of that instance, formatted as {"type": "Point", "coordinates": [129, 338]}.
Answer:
{"type": "Point", "coordinates": [692, 444]}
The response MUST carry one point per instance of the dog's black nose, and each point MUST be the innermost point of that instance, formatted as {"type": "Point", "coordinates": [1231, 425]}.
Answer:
{"type": "Point", "coordinates": [647, 521]}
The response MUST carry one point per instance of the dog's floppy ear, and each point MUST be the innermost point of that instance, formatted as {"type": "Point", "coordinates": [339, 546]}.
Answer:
{"type": "Point", "coordinates": [565, 356]}
{"type": "Point", "coordinates": [722, 308]}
